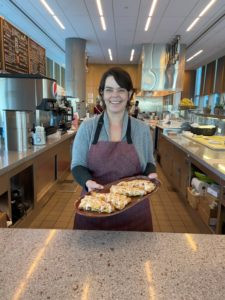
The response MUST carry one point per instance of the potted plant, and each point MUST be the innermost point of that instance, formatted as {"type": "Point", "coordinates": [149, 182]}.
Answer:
{"type": "Point", "coordinates": [219, 110]}
{"type": "Point", "coordinates": [207, 110]}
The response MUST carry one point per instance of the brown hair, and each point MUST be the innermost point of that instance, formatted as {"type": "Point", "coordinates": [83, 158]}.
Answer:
{"type": "Point", "coordinates": [122, 78]}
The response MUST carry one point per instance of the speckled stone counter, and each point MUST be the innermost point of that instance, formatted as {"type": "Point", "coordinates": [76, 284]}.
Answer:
{"type": "Point", "coordinates": [57, 264]}
{"type": "Point", "coordinates": [12, 159]}
{"type": "Point", "coordinates": [214, 160]}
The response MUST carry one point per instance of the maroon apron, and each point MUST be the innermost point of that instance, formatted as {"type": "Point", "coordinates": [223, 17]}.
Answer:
{"type": "Point", "coordinates": [108, 162]}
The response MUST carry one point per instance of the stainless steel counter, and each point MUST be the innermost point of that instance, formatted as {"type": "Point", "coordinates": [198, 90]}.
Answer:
{"type": "Point", "coordinates": [12, 159]}
{"type": "Point", "coordinates": [214, 160]}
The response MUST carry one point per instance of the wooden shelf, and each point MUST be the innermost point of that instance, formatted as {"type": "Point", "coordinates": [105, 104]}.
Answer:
{"type": "Point", "coordinates": [210, 116]}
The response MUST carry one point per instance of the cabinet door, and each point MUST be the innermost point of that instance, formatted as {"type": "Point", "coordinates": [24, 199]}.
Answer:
{"type": "Point", "coordinates": [166, 156]}
{"type": "Point", "coordinates": [180, 171]}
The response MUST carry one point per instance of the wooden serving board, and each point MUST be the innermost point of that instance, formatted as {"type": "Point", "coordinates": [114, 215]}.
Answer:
{"type": "Point", "coordinates": [135, 200]}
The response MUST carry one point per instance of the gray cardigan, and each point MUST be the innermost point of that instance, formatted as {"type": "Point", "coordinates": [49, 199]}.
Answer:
{"type": "Point", "coordinates": [141, 138]}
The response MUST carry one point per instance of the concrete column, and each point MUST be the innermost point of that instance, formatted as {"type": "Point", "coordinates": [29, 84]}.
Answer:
{"type": "Point", "coordinates": [75, 71]}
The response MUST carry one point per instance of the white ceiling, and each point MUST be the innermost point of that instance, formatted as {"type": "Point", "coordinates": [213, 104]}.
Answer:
{"type": "Point", "coordinates": [125, 21]}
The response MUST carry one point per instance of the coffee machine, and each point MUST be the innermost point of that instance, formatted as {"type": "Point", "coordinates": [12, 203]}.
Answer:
{"type": "Point", "coordinates": [25, 101]}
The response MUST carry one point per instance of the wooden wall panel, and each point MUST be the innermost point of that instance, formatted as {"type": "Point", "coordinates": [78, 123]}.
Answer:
{"type": "Point", "coordinates": [95, 72]}
{"type": "Point", "coordinates": [189, 84]}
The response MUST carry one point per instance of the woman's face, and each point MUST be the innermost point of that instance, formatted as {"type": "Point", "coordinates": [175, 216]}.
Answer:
{"type": "Point", "coordinates": [115, 97]}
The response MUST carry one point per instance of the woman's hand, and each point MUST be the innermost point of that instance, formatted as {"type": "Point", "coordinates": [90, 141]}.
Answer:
{"type": "Point", "coordinates": [92, 185]}
{"type": "Point", "coordinates": [152, 175]}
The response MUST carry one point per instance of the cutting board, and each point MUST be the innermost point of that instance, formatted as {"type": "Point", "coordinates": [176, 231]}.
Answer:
{"type": "Point", "coordinates": [213, 142]}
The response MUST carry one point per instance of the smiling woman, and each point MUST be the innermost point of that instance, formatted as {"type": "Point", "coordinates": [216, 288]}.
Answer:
{"type": "Point", "coordinates": [110, 147]}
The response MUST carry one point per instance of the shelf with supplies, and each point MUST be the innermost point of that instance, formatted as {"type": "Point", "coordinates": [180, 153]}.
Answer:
{"type": "Point", "coordinates": [210, 116]}
{"type": "Point", "coordinates": [183, 107]}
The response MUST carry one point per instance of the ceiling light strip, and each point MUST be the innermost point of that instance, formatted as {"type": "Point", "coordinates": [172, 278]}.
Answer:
{"type": "Point", "coordinates": [110, 54]}
{"type": "Point", "coordinates": [147, 23]}
{"type": "Point", "coordinates": [193, 24]}
{"type": "Point", "coordinates": [100, 11]}
{"type": "Point", "coordinates": [207, 8]}
{"type": "Point", "coordinates": [103, 23]}
{"type": "Point", "coordinates": [48, 8]}
{"type": "Point", "coordinates": [132, 55]}
{"type": "Point", "coordinates": [59, 22]}
{"type": "Point", "coordinates": [197, 53]}
{"type": "Point", "coordinates": [201, 14]}
{"type": "Point", "coordinates": [152, 8]}
{"type": "Point", "coordinates": [150, 14]}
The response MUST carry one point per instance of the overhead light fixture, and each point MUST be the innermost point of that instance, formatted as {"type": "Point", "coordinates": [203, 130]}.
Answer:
{"type": "Point", "coordinates": [207, 8]}
{"type": "Point", "coordinates": [48, 8]}
{"type": "Point", "coordinates": [196, 54]}
{"type": "Point", "coordinates": [150, 14]}
{"type": "Point", "coordinates": [100, 11]}
{"type": "Point", "coordinates": [201, 14]}
{"type": "Point", "coordinates": [103, 23]}
{"type": "Point", "coordinates": [132, 55]}
{"type": "Point", "coordinates": [110, 54]}
{"type": "Point", "coordinates": [59, 22]}
{"type": "Point", "coordinates": [147, 23]}
{"type": "Point", "coordinates": [193, 24]}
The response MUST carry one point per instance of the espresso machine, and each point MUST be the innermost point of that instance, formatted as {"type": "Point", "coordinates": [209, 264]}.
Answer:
{"type": "Point", "coordinates": [26, 101]}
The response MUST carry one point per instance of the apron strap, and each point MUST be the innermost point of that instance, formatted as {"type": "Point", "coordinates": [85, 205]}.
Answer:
{"type": "Point", "coordinates": [128, 133]}
{"type": "Point", "coordinates": [99, 128]}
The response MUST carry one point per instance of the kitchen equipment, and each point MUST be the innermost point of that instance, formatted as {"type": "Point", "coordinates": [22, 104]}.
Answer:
{"type": "Point", "coordinates": [39, 137]}
{"type": "Point", "coordinates": [203, 129]}
{"type": "Point", "coordinates": [17, 125]}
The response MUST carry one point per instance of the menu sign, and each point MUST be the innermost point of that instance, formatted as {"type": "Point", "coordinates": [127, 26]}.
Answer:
{"type": "Point", "coordinates": [14, 45]}
{"type": "Point", "coordinates": [36, 58]}
{"type": "Point", "coordinates": [18, 53]}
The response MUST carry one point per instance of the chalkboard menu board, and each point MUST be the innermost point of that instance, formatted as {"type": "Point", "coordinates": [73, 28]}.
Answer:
{"type": "Point", "coordinates": [14, 48]}
{"type": "Point", "coordinates": [18, 53]}
{"type": "Point", "coordinates": [36, 58]}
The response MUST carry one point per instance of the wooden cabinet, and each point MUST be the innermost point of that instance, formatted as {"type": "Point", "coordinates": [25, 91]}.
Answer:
{"type": "Point", "coordinates": [220, 76]}
{"type": "Point", "coordinates": [174, 163]}
{"type": "Point", "coordinates": [63, 158]}
{"type": "Point", "coordinates": [180, 171]}
{"type": "Point", "coordinates": [189, 84]}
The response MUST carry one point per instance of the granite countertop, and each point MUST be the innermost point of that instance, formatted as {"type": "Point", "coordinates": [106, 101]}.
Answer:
{"type": "Point", "coordinates": [12, 159]}
{"type": "Point", "coordinates": [65, 264]}
{"type": "Point", "coordinates": [214, 160]}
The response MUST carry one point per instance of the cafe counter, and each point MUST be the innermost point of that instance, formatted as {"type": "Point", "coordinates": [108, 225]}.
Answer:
{"type": "Point", "coordinates": [65, 264]}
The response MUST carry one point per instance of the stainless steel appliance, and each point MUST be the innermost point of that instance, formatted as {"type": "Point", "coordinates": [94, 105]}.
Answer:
{"type": "Point", "coordinates": [17, 130]}
{"type": "Point", "coordinates": [25, 93]}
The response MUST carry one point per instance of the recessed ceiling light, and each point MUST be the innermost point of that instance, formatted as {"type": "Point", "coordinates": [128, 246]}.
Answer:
{"type": "Point", "coordinates": [48, 8]}
{"type": "Point", "coordinates": [103, 23]}
{"type": "Point", "coordinates": [110, 54]}
{"type": "Point", "coordinates": [197, 53]}
{"type": "Point", "coordinates": [150, 14]}
{"type": "Point", "coordinates": [201, 14]}
{"type": "Point", "coordinates": [192, 24]}
{"type": "Point", "coordinates": [132, 55]}
{"type": "Point", "coordinates": [147, 23]}
{"type": "Point", "coordinates": [100, 11]}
